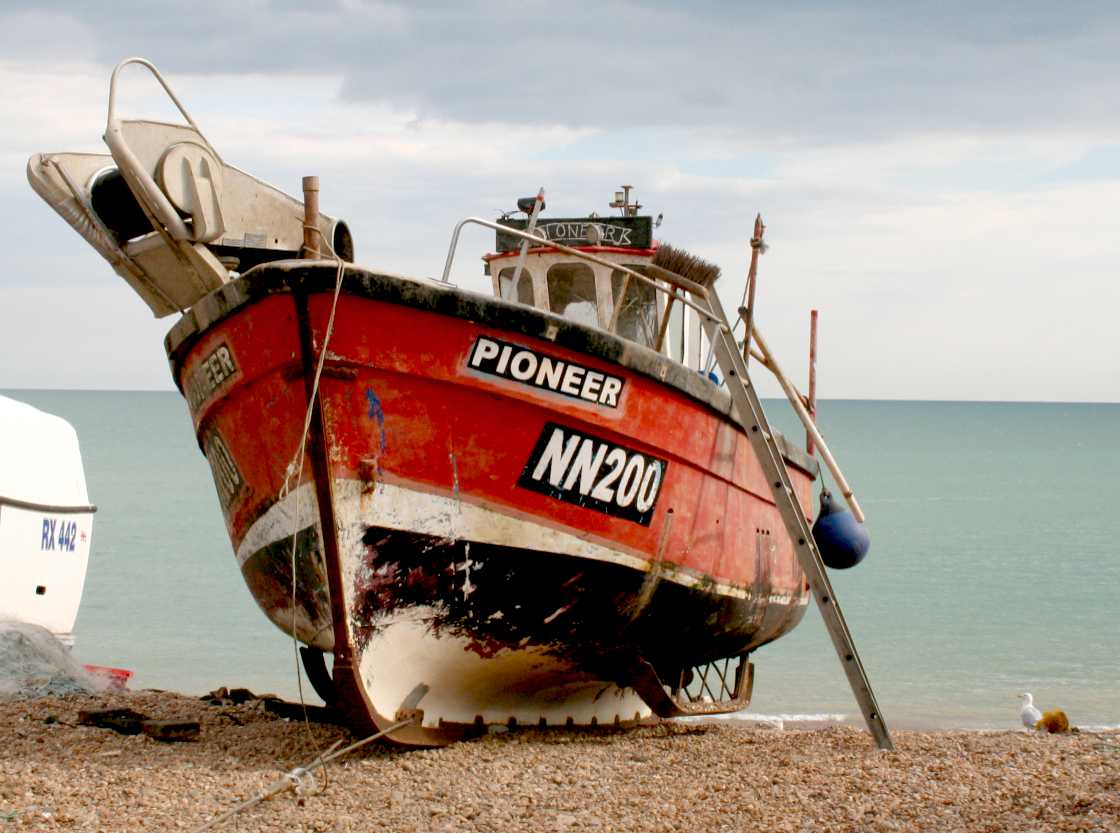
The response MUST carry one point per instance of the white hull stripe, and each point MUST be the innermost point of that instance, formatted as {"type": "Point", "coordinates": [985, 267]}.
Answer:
{"type": "Point", "coordinates": [408, 510]}
{"type": "Point", "coordinates": [276, 524]}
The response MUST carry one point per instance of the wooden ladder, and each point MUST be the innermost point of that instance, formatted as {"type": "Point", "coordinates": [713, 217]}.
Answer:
{"type": "Point", "coordinates": [754, 422]}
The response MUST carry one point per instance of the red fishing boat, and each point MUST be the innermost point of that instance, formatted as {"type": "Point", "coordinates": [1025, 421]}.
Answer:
{"type": "Point", "coordinates": [531, 507]}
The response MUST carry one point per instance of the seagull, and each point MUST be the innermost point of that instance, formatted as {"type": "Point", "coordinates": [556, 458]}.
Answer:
{"type": "Point", "coordinates": [1029, 714]}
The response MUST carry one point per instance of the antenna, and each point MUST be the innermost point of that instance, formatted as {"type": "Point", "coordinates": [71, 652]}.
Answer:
{"type": "Point", "coordinates": [623, 204]}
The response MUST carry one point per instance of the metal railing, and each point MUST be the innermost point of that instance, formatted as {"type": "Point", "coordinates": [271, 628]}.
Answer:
{"type": "Point", "coordinates": [153, 200]}
{"type": "Point", "coordinates": [669, 277]}
{"type": "Point", "coordinates": [766, 358]}
{"type": "Point", "coordinates": [731, 358]}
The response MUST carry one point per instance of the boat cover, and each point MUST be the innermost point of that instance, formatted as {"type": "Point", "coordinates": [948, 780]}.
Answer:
{"type": "Point", "coordinates": [39, 457]}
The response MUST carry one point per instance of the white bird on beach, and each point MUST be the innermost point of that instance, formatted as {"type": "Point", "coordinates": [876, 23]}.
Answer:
{"type": "Point", "coordinates": [1029, 714]}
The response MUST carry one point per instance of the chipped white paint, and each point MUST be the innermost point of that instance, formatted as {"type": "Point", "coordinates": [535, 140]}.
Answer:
{"type": "Point", "coordinates": [397, 507]}
{"type": "Point", "coordinates": [464, 567]}
{"type": "Point", "coordinates": [557, 613]}
{"type": "Point", "coordinates": [525, 684]}
{"type": "Point", "coordinates": [448, 516]}
{"type": "Point", "coordinates": [522, 683]}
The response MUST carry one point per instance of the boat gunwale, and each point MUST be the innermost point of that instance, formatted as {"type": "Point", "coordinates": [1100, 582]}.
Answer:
{"type": "Point", "coordinates": [54, 508]}
{"type": "Point", "coordinates": [426, 294]}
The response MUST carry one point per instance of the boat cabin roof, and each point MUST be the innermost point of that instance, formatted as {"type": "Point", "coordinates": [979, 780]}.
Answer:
{"type": "Point", "coordinates": [591, 293]}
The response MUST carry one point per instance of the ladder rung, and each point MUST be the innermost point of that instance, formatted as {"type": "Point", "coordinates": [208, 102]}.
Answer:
{"type": "Point", "coordinates": [753, 419]}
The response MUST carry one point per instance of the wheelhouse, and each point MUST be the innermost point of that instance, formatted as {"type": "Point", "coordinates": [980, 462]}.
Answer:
{"type": "Point", "coordinates": [596, 294]}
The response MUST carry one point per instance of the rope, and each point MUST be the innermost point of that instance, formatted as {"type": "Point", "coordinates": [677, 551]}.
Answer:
{"type": "Point", "coordinates": [298, 778]}
{"type": "Point", "coordinates": [318, 374]}
{"type": "Point", "coordinates": [298, 473]}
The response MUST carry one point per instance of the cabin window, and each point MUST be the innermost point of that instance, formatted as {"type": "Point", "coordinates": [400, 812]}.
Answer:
{"type": "Point", "coordinates": [637, 313]}
{"type": "Point", "coordinates": [524, 291]}
{"type": "Point", "coordinates": [571, 292]}
{"type": "Point", "coordinates": [674, 337]}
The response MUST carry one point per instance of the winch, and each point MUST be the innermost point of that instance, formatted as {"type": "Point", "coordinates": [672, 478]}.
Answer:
{"type": "Point", "coordinates": [171, 217]}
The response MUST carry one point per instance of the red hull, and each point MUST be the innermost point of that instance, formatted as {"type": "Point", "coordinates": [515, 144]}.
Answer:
{"type": "Point", "coordinates": [425, 438]}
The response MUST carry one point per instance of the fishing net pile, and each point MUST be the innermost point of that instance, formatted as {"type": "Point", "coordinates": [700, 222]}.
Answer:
{"type": "Point", "coordinates": [35, 664]}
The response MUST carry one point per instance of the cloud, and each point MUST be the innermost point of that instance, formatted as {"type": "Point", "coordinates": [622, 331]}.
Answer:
{"type": "Point", "coordinates": [941, 184]}
{"type": "Point", "coordinates": [799, 72]}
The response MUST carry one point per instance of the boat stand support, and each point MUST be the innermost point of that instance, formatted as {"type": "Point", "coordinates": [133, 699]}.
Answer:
{"type": "Point", "coordinates": [753, 419]}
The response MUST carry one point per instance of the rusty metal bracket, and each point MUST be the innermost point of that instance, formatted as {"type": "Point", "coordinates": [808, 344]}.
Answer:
{"type": "Point", "coordinates": [699, 695]}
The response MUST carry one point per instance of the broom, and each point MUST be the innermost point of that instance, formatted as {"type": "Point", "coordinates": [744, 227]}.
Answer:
{"type": "Point", "coordinates": [685, 265]}
{"type": "Point", "coordinates": [680, 270]}
{"type": "Point", "coordinates": [672, 265]}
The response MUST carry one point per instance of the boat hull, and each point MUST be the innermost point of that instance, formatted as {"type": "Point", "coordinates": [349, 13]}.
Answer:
{"type": "Point", "coordinates": [498, 515]}
{"type": "Point", "coordinates": [44, 552]}
{"type": "Point", "coordinates": [46, 520]}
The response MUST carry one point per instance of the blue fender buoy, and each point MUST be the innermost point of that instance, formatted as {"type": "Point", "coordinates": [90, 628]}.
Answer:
{"type": "Point", "coordinates": [842, 540]}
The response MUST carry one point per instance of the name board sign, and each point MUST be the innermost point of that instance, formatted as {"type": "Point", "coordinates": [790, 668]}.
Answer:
{"type": "Point", "coordinates": [227, 477]}
{"type": "Point", "coordinates": [619, 232]}
{"type": "Point", "coordinates": [539, 370]}
{"type": "Point", "coordinates": [594, 473]}
{"type": "Point", "coordinates": [209, 375]}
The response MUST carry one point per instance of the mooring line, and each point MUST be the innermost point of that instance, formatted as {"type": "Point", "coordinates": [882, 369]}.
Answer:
{"type": "Point", "coordinates": [285, 488]}
{"type": "Point", "coordinates": [296, 778]}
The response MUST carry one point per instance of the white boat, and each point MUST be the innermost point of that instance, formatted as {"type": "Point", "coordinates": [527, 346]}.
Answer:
{"type": "Point", "coordinates": [46, 520]}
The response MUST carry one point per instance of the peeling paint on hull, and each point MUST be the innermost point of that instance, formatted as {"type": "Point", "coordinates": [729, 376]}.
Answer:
{"type": "Point", "coordinates": [442, 583]}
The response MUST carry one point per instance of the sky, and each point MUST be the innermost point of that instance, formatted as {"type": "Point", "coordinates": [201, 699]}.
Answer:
{"type": "Point", "coordinates": [940, 181]}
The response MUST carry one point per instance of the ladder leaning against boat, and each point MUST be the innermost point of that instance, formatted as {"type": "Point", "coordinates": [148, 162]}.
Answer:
{"type": "Point", "coordinates": [704, 301]}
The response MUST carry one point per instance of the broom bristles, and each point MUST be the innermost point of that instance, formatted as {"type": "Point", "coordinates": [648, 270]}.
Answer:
{"type": "Point", "coordinates": [686, 265]}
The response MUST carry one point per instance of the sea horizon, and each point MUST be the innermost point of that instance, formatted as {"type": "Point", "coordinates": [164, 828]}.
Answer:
{"type": "Point", "coordinates": [993, 554]}
{"type": "Point", "coordinates": [172, 389]}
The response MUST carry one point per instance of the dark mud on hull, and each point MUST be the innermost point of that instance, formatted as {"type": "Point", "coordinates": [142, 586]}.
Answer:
{"type": "Point", "coordinates": [268, 575]}
{"type": "Point", "coordinates": [600, 616]}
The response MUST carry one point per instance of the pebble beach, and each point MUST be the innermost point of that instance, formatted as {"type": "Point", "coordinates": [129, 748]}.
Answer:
{"type": "Point", "coordinates": [705, 776]}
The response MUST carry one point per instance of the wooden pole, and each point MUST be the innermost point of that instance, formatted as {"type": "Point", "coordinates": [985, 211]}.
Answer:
{"type": "Point", "coordinates": [798, 403]}
{"type": "Point", "coordinates": [310, 218]}
{"type": "Point", "coordinates": [663, 328]}
{"type": "Point", "coordinates": [751, 416]}
{"type": "Point", "coordinates": [530, 227]}
{"type": "Point", "coordinates": [752, 280]}
{"type": "Point", "coordinates": [812, 404]}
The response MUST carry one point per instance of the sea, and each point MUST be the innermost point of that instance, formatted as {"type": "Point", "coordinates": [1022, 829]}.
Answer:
{"type": "Point", "coordinates": [994, 567]}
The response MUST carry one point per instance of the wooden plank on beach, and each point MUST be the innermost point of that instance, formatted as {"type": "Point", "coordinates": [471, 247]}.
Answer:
{"type": "Point", "coordinates": [172, 730]}
{"type": "Point", "coordinates": [123, 721]}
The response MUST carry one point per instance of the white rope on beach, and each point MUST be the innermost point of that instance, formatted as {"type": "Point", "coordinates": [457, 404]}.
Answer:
{"type": "Point", "coordinates": [298, 778]}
